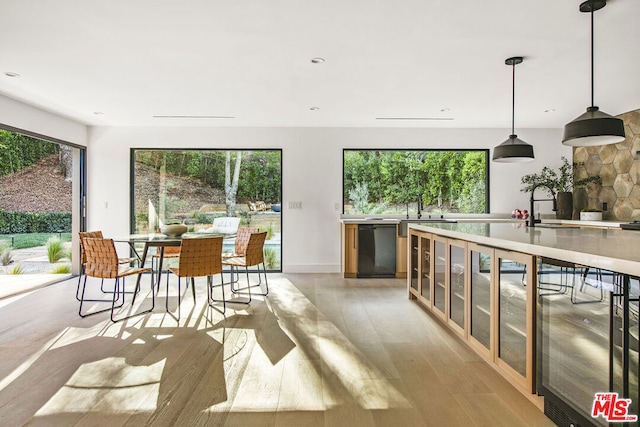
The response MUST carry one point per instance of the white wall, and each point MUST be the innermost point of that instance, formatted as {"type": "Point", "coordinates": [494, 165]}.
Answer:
{"type": "Point", "coordinates": [26, 117]}
{"type": "Point", "coordinates": [312, 173]}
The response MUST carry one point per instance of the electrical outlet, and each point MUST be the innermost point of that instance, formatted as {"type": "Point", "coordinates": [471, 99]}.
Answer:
{"type": "Point", "coordinates": [604, 206]}
{"type": "Point", "coordinates": [295, 205]}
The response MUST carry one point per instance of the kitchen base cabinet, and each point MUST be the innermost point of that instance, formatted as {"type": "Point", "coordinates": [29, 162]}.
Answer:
{"type": "Point", "coordinates": [486, 295]}
{"type": "Point", "coordinates": [350, 250]}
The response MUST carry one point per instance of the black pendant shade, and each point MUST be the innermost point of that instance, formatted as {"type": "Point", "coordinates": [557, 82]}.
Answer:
{"type": "Point", "coordinates": [593, 127]}
{"type": "Point", "coordinates": [513, 150]}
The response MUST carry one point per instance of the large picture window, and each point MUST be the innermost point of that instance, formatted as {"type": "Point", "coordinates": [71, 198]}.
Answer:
{"type": "Point", "coordinates": [395, 181]}
{"type": "Point", "coordinates": [196, 187]}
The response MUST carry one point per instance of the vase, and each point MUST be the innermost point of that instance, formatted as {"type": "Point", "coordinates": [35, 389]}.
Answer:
{"type": "Point", "coordinates": [564, 205]}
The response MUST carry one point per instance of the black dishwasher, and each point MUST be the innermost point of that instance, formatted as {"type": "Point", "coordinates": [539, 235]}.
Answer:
{"type": "Point", "coordinates": [377, 250]}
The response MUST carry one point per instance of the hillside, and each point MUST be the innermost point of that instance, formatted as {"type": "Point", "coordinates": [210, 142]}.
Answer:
{"type": "Point", "coordinates": [42, 188]}
{"type": "Point", "coordinates": [38, 188]}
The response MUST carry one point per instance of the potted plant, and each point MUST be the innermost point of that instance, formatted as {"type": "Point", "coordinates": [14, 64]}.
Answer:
{"type": "Point", "coordinates": [559, 184]}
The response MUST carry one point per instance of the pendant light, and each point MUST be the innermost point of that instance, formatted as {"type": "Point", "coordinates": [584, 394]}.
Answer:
{"type": "Point", "coordinates": [593, 127]}
{"type": "Point", "coordinates": [513, 150]}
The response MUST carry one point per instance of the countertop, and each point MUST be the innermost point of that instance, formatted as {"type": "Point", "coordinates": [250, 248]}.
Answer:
{"type": "Point", "coordinates": [607, 248]}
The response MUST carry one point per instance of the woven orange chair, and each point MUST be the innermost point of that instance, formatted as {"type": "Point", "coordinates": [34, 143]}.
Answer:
{"type": "Point", "coordinates": [254, 255]}
{"type": "Point", "coordinates": [241, 242]}
{"type": "Point", "coordinates": [102, 262]}
{"type": "Point", "coordinates": [199, 256]}
{"type": "Point", "coordinates": [83, 260]}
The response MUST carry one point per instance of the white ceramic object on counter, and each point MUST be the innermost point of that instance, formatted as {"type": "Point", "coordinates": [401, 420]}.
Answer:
{"type": "Point", "coordinates": [590, 216]}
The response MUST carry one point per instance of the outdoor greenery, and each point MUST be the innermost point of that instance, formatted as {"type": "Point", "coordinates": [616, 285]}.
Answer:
{"type": "Point", "coordinates": [448, 181]}
{"type": "Point", "coordinates": [259, 177]}
{"type": "Point", "coordinates": [61, 269]}
{"type": "Point", "coordinates": [19, 151]}
{"type": "Point", "coordinates": [270, 259]}
{"type": "Point", "coordinates": [6, 252]}
{"type": "Point", "coordinates": [15, 269]}
{"type": "Point", "coordinates": [30, 240]}
{"type": "Point", "coordinates": [56, 250]}
{"type": "Point", "coordinates": [34, 222]}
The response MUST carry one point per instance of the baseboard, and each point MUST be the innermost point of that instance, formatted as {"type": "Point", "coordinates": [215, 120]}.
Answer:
{"type": "Point", "coordinates": [311, 268]}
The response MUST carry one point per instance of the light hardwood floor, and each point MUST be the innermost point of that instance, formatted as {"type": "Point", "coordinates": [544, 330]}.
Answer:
{"type": "Point", "coordinates": [320, 350]}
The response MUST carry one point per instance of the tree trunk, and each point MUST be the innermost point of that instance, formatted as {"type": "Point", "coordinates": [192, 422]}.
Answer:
{"type": "Point", "coordinates": [231, 187]}
{"type": "Point", "coordinates": [66, 161]}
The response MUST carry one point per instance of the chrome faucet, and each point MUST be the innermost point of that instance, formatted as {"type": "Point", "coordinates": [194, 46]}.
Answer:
{"type": "Point", "coordinates": [532, 219]}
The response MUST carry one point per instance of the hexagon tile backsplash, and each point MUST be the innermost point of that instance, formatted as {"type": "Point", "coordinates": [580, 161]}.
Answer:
{"type": "Point", "coordinates": [619, 167]}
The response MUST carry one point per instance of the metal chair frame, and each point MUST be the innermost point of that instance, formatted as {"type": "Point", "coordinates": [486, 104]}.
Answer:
{"type": "Point", "coordinates": [254, 256]}
{"type": "Point", "coordinates": [199, 257]}
{"type": "Point", "coordinates": [83, 260]}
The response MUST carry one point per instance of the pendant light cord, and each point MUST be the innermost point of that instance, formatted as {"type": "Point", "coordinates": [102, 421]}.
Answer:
{"type": "Point", "coordinates": [513, 97]}
{"type": "Point", "coordinates": [592, 50]}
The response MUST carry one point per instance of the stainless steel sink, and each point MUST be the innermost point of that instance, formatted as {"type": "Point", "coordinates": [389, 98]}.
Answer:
{"type": "Point", "coordinates": [403, 225]}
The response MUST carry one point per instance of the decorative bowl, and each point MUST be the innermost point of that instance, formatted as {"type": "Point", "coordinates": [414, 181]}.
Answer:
{"type": "Point", "coordinates": [174, 230]}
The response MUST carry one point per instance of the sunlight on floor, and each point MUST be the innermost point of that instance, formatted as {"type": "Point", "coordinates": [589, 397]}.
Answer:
{"type": "Point", "coordinates": [280, 353]}
{"type": "Point", "coordinates": [108, 385]}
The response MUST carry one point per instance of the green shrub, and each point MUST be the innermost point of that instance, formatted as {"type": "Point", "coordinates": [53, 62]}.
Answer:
{"type": "Point", "coordinates": [15, 269]}
{"type": "Point", "coordinates": [6, 255]}
{"type": "Point", "coordinates": [269, 230]}
{"type": "Point", "coordinates": [55, 250]}
{"type": "Point", "coordinates": [61, 269]}
{"type": "Point", "coordinates": [270, 258]}
{"type": "Point", "coordinates": [34, 222]}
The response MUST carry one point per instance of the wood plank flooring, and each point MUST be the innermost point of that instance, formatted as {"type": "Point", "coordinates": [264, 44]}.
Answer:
{"type": "Point", "coordinates": [320, 350]}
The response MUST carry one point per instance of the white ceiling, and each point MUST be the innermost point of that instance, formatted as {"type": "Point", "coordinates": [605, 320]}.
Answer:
{"type": "Point", "coordinates": [251, 59]}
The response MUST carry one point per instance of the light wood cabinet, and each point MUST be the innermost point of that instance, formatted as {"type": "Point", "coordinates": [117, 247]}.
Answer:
{"type": "Point", "coordinates": [401, 257]}
{"type": "Point", "coordinates": [350, 250]}
{"type": "Point", "coordinates": [484, 294]}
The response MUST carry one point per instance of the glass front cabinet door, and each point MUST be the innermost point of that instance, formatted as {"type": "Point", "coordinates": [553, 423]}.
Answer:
{"type": "Point", "coordinates": [420, 267]}
{"type": "Point", "coordinates": [481, 292]}
{"type": "Point", "coordinates": [457, 288]}
{"type": "Point", "coordinates": [514, 318]}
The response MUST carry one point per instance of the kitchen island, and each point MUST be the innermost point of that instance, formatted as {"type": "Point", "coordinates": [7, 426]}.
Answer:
{"type": "Point", "coordinates": [554, 308]}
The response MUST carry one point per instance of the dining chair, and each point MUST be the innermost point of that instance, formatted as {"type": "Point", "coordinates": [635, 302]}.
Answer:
{"type": "Point", "coordinates": [102, 262]}
{"type": "Point", "coordinates": [241, 242]}
{"type": "Point", "coordinates": [199, 257]}
{"type": "Point", "coordinates": [83, 260]}
{"type": "Point", "coordinates": [254, 256]}
{"type": "Point", "coordinates": [170, 252]}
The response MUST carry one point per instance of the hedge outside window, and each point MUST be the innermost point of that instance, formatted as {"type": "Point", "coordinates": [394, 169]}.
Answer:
{"type": "Point", "coordinates": [392, 181]}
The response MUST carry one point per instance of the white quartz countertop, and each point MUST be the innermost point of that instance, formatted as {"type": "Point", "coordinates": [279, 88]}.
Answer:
{"type": "Point", "coordinates": [608, 248]}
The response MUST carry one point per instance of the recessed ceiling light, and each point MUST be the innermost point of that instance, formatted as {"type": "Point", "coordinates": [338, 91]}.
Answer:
{"type": "Point", "coordinates": [314, 108]}
{"type": "Point", "coordinates": [317, 60]}
{"type": "Point", "coordinates": [550, 110]}
{"type": "Point", "coordinates": [98, 113]}
{"type": "Point", "coordinates": [11, 74]}
{"type": "Point", "coordinates": [445, 109]}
